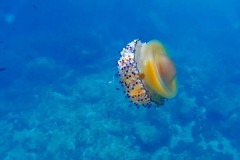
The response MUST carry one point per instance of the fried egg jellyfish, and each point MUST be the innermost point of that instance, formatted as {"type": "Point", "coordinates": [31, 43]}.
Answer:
{"type": "Point", "coordinates": [147, 73]}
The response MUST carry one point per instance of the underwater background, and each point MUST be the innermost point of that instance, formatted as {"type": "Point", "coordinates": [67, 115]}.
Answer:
{"type": "Point", "coordinates": [58, 97]}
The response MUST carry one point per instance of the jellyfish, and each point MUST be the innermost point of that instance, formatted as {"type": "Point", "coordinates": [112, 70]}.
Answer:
{"type": "Point", "coordinates": [147, 73]}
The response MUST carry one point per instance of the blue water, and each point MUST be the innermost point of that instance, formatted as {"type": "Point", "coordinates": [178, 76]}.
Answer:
{"type": "Point", "coordinates": [58, 97]}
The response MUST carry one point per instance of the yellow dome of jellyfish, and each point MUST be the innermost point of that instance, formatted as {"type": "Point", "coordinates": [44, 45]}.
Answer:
{"type": "Point", "coordinates": [147, 73]}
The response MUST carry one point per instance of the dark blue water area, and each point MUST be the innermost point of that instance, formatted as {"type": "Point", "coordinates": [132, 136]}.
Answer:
{"type": "Point", "coordinates": [60, 98]}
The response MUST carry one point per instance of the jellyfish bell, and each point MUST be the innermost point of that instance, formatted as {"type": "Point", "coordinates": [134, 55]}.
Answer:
{"type": "Point", "coordinates": [147, 73]}
{"type": "Point", "coordinates": [159, 69]}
